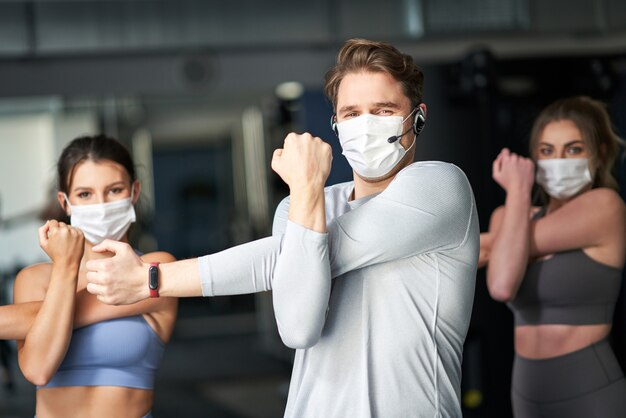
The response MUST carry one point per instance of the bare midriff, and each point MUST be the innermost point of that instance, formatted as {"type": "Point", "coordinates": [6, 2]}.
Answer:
{"type": "Point", "coordinates": [546, 341]}
{"type": "Point", "coordinates": [93, 402]}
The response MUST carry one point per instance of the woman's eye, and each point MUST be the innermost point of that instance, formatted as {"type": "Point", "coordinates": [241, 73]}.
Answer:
{"type": "Point", "coordinates": [116, 190]}
{"type": "Point", "coordinates": [545, 151]}
{"type": "Point", "coordinates": [83, 195]}
{"type": "Point", "coordinates": [574, 150]}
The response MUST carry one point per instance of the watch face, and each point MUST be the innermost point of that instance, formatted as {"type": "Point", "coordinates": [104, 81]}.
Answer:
{"type": "Point", "coordinates": [153, 282]}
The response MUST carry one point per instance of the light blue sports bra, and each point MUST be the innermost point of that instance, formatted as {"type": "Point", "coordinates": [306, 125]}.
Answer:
{"type": "Point", "coordinates": [119, 352]}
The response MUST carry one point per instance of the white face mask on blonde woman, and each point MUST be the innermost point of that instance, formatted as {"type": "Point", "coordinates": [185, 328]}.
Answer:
{"type": "Point", "coordinates": [563, 178]}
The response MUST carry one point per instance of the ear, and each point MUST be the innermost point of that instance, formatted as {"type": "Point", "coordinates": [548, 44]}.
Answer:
{"type": "Point", "coordinates": [424, 109]}
{"type": "Point", "coordinates": [420, 119]}
{"type": "Point", "coordinates": [63, 203]}
{"type": "Point", "coordinates": [136, 190]}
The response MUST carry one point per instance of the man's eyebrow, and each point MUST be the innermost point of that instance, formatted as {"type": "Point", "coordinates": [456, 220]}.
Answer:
{"type": "Point", "coordinates": [346, 108]}
{"type": "Point", "coordinates": [391, 105]}
{"type": "Point", "coordinates": [387, 104]}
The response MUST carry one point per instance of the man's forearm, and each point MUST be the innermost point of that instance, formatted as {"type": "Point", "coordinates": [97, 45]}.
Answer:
{"type": "Point", "coordinates": [307, 208]}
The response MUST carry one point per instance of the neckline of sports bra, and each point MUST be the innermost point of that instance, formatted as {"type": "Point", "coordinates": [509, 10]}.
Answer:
{"type": "Point", "coordinates": [601, 264]}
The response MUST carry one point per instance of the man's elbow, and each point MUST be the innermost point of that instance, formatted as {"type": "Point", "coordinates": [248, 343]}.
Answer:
{"type": "Point", "coordinates": [300, 338]}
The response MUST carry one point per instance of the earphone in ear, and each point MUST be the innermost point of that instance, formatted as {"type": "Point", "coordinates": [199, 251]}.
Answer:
{"type": "Point", "coordinates": [419, 122]}
{"type": "Point", "coordinates": [333, 124]}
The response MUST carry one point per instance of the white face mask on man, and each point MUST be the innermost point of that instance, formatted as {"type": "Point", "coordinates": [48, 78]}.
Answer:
{"type": "Point", "coordinates": [563, 178]}
{"type": "Point", "coordinates": [365, 144]}
{"type": "Point", "coordinates": [102, 221]}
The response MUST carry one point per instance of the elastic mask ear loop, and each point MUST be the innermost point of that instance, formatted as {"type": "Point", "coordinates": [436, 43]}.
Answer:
{"type": "Point", "coordinates": [69, 205]}
{"type": "Point", "coordinates": [592, 173]}
{"type": "Point", "coordinates": [409, 115]}
{"type": "Point", "coordinates": [414, 134]}
{"type": "Point", "coordinates": [413, 143]}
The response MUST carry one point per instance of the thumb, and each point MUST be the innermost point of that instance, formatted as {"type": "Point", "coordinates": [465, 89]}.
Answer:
{"type": "Point", "coordinates": [110, 246]}
{"type": "Point", "coordinates": [495, 167]}
{"type": "Point", "coordinates": [43, 234]}
{"type": "Point", "coordinates": [276, 159]}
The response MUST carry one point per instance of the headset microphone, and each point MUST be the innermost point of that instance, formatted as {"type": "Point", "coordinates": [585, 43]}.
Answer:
{"type": "Point", "coordinates": [394, 138]}
{"type": "Point", "coordinates": [418, 125]}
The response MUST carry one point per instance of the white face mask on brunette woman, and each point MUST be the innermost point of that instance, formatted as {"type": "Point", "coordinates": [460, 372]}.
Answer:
{"type": "Point", "coordinates": [102, 221]}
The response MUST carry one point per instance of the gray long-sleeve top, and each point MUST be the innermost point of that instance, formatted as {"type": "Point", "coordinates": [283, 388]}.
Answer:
{"type": "Point", "coordinates": [387, 340]}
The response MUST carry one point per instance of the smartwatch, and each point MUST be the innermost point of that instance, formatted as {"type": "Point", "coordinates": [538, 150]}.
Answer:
{"type": "Point", "coordinates": [153, 279]}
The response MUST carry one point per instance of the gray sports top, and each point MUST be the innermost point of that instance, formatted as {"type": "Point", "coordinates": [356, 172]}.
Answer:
{"type": "Point", "coordinates": [568, 288]}
{"type": "Point", "coordinates": [388, 340]}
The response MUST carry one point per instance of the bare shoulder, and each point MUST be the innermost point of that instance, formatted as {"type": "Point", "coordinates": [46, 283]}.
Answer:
{"type": "Point", "coordinates": [609, 197]}
{"type": "Point", "coordinates": [160, 256]}
{"type": "Point", "coordinates": [31, 283]}
{"type": "Point", "coordinates": [604, 194]}
{"type": "Point", "coordinates": [604, 202]}
{"type": "Point", "coordinates": [612, 203]}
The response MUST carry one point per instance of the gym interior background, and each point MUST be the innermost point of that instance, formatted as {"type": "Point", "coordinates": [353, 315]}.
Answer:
{"type": "Point", "coordinates": [202, 92]}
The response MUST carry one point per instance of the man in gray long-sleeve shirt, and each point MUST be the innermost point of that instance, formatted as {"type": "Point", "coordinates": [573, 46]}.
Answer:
{"type": "Point", "coordinates": [373, 280]}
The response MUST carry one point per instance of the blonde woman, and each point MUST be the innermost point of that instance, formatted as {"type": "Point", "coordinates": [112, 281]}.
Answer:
{"type": "Point", "coordinates": [559, 266]}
